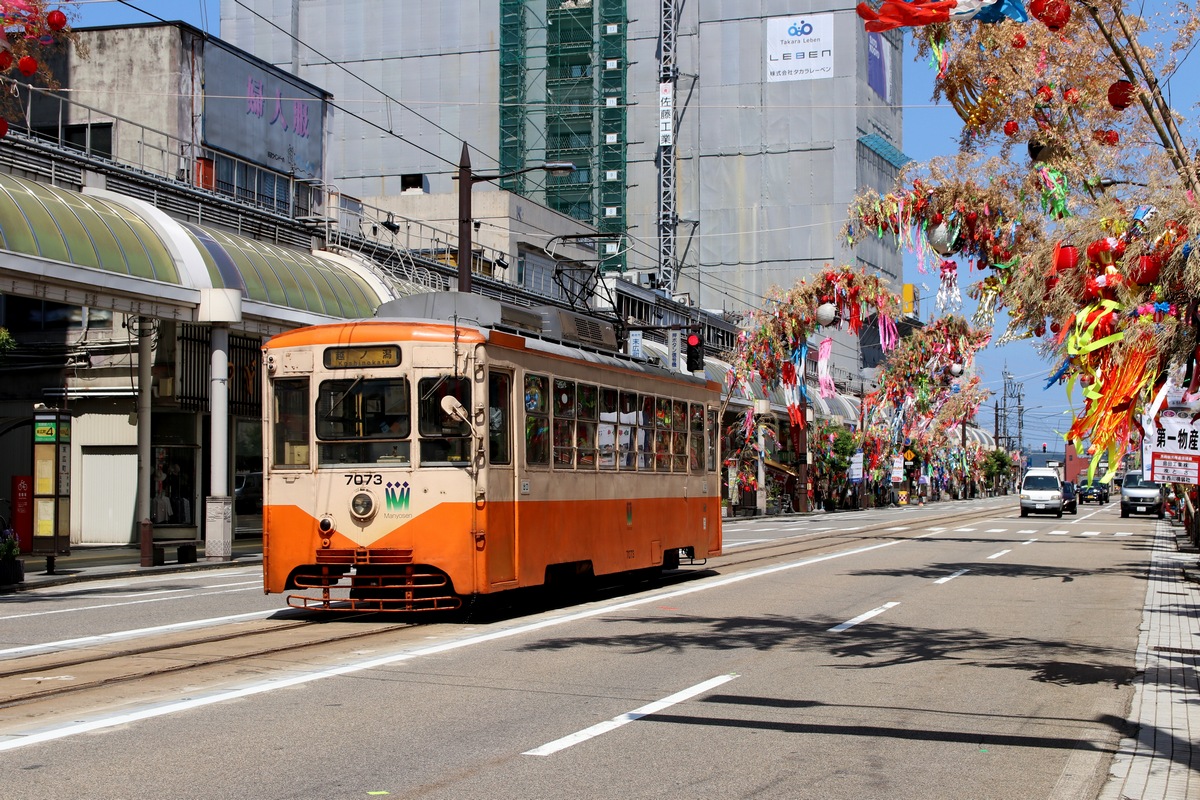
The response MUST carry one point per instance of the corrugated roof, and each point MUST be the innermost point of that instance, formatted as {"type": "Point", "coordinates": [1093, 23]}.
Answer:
{"type": "Point", "coordinates": [884, 149]}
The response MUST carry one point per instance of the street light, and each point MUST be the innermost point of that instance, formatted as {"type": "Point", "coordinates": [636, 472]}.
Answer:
{"type": "Point", "coordinates": [466, 180]}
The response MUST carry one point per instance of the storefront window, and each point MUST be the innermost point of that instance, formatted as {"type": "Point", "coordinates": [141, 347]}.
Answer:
{"type": "Point", "coordinates": [173, 486]}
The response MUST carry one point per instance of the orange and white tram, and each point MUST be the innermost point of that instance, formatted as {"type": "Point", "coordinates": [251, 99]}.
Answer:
{"type": "Point", "coordinates": [455, 446]}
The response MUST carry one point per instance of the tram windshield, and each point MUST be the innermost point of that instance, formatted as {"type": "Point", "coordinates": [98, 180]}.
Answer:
{"type": "Point", "coordinates": [363, 421]}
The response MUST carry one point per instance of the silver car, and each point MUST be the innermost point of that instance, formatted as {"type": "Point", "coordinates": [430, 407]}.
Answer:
{"type": "Point", "coordinates": [1140, 495]}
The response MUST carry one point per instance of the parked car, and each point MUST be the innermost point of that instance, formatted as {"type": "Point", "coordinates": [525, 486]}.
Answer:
{"type": "Point", "coordinates": [1070, 498]}
{"type": "Point", "coordinates": [1041, 492]}
{"type": "Point", "coordinates": [1140, 495]}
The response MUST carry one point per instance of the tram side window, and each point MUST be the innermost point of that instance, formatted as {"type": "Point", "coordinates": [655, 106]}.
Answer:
{"type": "Point", "coordinates": [696, 438]}
{"type": "Point", "coordinates": [662, 435]}
{"type": "Point", "coordinates": [585, 428]}
{"type": "Point", "coordinates": [606, 433]}
{"type": "Point", "coordinates": [679, 426]}
{"type": "Point", "coordinates": [712, 440]}
{"type": "Point", "coordinates": [627, 432]}
{"type": "Point", "coordinates": [290, 434]}
{"type": "Point", "coordinates": [537, 420]}
{"type": "Point", "coordinates": [645, 434]}
{"type": "Point", "coordinates": [444, 437]}
{"type": "Point", "coordinates": [499, 400]}
{"type": "Point", "coordinates": [564, 423]}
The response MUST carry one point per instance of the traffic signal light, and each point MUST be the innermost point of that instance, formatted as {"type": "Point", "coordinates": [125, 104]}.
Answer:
{"type": "Point", "coordinates": [695, 352]}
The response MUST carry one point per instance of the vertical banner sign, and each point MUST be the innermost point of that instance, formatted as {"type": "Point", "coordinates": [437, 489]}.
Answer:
{"type": "Point", "coordinates": [856, 467]}
{"type": "Point", "coordinates": [675, 351]}
{"type": "Point", "coordinates": [666, 114]}
{"type": "Point", "coordinates": [1171, 449]}
{"type": "Point", "coordinates": [897, 469]}
{"type": "Point", "coordinates": [800, 48]}
{"type": "Point", "coordinates": [51, 484]}
{"type": "Point", "coordinates": [879, 66]}
{"type": "Point", "coordinates": [635, 345]}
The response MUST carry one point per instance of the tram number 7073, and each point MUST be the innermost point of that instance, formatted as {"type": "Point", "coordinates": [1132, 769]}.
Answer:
{"type": "Point", "coordinates": [361, 479]}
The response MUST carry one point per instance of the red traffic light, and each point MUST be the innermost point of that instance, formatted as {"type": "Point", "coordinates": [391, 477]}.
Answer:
{"type": "Point", "coordinates": [693, 340]}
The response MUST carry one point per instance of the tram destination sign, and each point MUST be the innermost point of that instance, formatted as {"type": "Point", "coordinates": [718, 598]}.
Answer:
{"type": "Point", "coordinates": [357, 357]}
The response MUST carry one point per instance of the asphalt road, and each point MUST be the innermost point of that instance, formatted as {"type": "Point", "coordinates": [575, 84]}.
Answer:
{"type": "Point", "coordinates": [979, 656]}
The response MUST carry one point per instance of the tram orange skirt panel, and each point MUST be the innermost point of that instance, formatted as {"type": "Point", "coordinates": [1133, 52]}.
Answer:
{"type": "Point", "coordinates": [601, 532]}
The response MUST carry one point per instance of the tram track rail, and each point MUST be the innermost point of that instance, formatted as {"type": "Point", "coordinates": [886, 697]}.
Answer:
{"type": "Point", "coordinates": [38, 677]}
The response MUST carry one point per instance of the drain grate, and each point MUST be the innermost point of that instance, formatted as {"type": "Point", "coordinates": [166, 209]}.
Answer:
{"type": "Point", "coordinates": [1182, 650]}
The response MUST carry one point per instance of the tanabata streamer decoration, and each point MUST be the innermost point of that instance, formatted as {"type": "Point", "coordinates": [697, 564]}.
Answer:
{"type": "Point", "coordinates": [898, 14]}
{"type": "Point", "coordinates": [774, 345]}
{"type": "Point", "coordinates": [982, 224]}
{"type": "Point", "coordinates": [918, 377]}
{"type": "Point", "coordinates": [949, 297]}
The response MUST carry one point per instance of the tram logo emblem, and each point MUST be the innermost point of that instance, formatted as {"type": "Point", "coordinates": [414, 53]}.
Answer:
{"type": "Point", "coordinates": [397, 496]}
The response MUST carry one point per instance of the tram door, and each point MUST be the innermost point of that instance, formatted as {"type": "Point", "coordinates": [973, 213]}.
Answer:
{"type": "Point", "coordinates": [500, 540]}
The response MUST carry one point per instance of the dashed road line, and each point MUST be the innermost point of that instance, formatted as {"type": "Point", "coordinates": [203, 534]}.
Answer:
{"type": "Point", "coordinates": [949, 578]}
{"type": "Point", "coordinates": [874, 612]}
{"type": "Point", "coordinates": [997, 555]}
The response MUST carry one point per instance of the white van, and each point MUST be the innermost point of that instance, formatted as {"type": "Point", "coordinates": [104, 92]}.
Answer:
{"type": "Point", "coordinates": [1041, 492]}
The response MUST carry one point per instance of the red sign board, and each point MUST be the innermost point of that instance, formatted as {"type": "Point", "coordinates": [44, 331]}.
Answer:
{"type": "Point", "coordinates": [22, 510]}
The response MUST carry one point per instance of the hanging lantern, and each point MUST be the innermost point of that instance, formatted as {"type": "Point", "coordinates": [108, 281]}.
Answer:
{"type": "Point", "coordinates": [28, 66]}
{"type": "Point", "coordinates": [942, 240]}
{"type": "Point", "coordinates": [1011, 127]}
{"type": "Point", "coordinates": [1066, 257]}
{"type": "Point", "coordinates": [1121, 95]}
{"type": "Point", "coordinates": [826, 314]}
{"type": "Point", "coordinates": [57, 20]}
{"type": "Point", "coordinates": [956, 369]}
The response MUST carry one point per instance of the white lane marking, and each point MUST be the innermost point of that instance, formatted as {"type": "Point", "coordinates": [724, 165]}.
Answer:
{"type": "Point", "coordinates": [923, 535]}
{"type": "Point", "coordinates": [1090, 533]}
{"type": "Point", "coordinates": [936, 530]}
{"type": "Point", "coordinates": [963, 530]}
{"type": "Point", "coordinates": [728, 544]}
{"type": "Point", "coordinates": [1123, 533]}
{"type": "Point", "coordinates": [162, 710]}
{"type": "Point", "coordinates": [949, 578]}
{"type": "Point", "coordinates": [874, 612]}
{"type": "Point", "coordinates": [118, 605]}
{"type": "Point", "coordinates": [898, 528]}
{"type": "Point", "coordinates": [996, 530]}
{"type": "Point", "coordinates": [1057, 533]}
{"type": "Point", "coordinates": [997, 555]}
{"type": "Point", "coordinates": [133, 634]}
{"type": "Point", "coordinates": [1031, 541]}
{"type": "Point", "coordinates": [1027, 530]}
{"type": "Point", "coordinates": [629, 716]}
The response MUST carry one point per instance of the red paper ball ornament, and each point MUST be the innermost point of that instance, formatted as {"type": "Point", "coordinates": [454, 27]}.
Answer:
{"type": "Point", "coordinates": [1121, 95]}
{"type": "Point", "coordinates": [3, 127]}
{"type": "Point", "coordinates": [1037, 8]}
{"type": "Point", "coordinates": [1045, 94]}
{"type": "Point", "coordinates": [1055, 326]}
{"type": "Point", "coordinates": [28, 65]}
{"type": "Point", "coordinates": [1018, 41]}
{"type": "Point", "coordinates": [1056, 15]}
{"type": "Point", "coordinates": [1072, 95]}
{"type": "Point", "coordinates": [1107, 137]}
{"type": "Point", "coordinates": [1039, 329]}
{"type": "Point", "coordinates": [6, 60]}
{"type": "Point", "coordinates": [1011, 127]}
{"type": "Point", "coordinates": [57, 20]}
{"type": "Point", "coordinates": [1146, 270]}
{"type": "Point", "coordinates": [1104, 252]}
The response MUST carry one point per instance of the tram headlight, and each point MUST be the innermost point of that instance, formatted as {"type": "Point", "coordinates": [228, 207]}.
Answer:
{"type": "Point", "coordinates": [362, 506]}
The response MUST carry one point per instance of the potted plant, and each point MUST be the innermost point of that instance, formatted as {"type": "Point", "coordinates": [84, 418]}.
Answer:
{"type": "Point", "coordinates": [12, 569]}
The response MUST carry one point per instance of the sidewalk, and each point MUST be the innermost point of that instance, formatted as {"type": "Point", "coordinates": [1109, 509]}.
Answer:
{"type": "Point", "coordinates": [1161, 763]}
{"type": "Point", "coordinates": [96, 562]}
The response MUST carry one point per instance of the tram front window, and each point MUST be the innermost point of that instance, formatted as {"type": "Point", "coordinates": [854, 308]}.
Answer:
{"type": "Point", "coordinates": [364, 421]}
{"type": "Point", "coordinates": [444, 438]}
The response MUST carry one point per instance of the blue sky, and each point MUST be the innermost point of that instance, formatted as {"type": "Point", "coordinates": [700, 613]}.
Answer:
{"type": "Point", "coordinates": [928, 131]}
